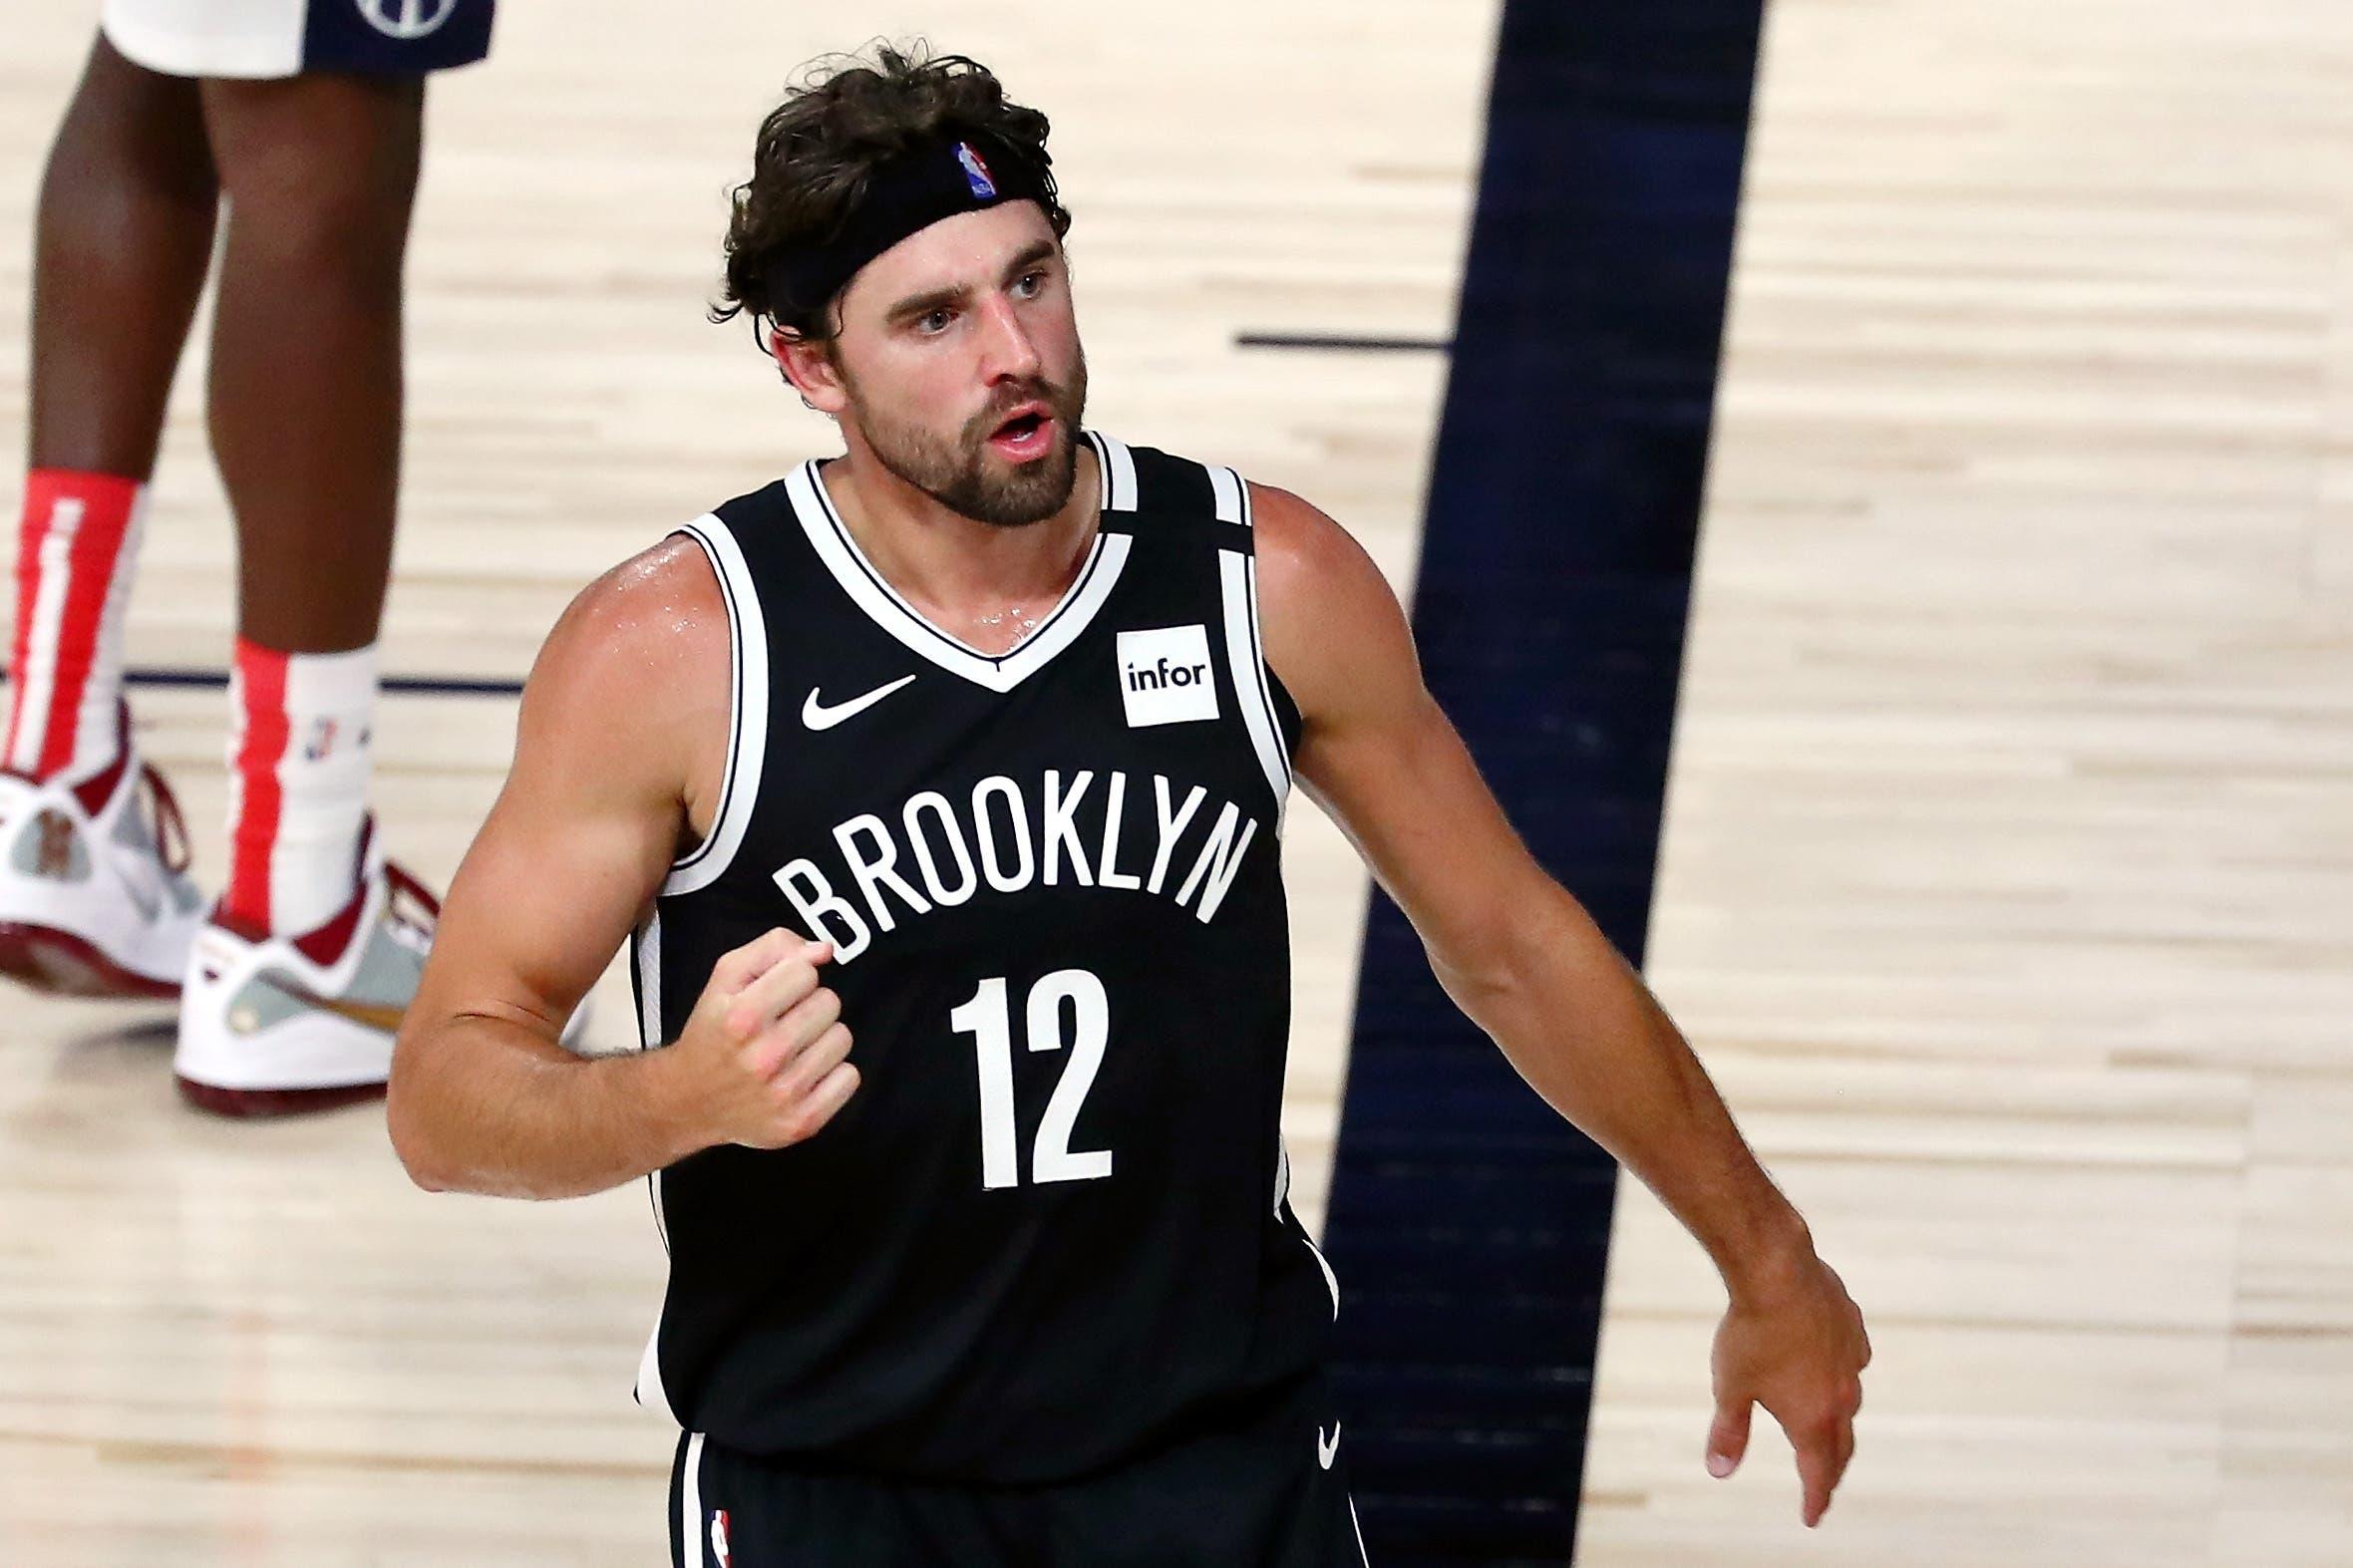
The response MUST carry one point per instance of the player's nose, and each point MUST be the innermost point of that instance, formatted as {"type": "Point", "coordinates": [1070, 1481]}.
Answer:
{"type": "Point", "coordinates": [1011, 352]}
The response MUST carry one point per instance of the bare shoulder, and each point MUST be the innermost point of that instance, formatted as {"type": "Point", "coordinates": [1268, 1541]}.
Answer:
{"type": "Point", "coordinates": [1300, 544]}
{"type": "Point", "coordinates": [1332, 625]}
{"type": "Point", "coordinates": [630, 694]}
{"type": "Point", "coordinates": [654, 624]}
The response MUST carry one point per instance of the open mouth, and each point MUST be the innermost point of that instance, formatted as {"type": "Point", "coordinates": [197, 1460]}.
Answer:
{"type": "Point", "coordinates": [1027, 436]}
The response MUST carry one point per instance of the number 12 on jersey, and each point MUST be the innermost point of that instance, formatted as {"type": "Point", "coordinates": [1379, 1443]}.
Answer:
{"type": "Point", "coordinates": [988, 1017]}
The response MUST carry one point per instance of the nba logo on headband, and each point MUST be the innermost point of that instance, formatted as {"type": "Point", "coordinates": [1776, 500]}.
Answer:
{"type": "Point", "coordinates": [976, 173]}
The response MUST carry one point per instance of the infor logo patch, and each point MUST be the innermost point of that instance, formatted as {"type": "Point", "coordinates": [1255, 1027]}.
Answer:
{"type": "Point", "coordinates": [1165, 676]}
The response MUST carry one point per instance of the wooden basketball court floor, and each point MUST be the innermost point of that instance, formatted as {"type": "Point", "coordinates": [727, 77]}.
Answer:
{"type": "Point", "coordinates": [2008, 879]}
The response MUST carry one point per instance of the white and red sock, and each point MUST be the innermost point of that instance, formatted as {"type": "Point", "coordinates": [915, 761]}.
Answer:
{"type": "Point", "coordinates": [76, 552]}
{"type": "Point", "coordinates": [299, 758]}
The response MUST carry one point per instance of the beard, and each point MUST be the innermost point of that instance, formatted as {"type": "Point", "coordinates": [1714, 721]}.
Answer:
{"type": "Point", "coordinates": [962, 474]}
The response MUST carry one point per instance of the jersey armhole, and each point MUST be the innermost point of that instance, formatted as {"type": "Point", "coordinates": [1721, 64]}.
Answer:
{"type": "Point", "coordinates": [1245, 649]}
{"type": "Point", "coordinates": [747, 731]}
{"type": "Point", "coordinates": [1289, 723]}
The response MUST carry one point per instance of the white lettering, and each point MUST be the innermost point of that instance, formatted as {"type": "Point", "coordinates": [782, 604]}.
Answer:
{"type": "Point", "coordinates": [885, 881]}
{"type": "Point", "coordinates": [872, 874]}
{"type": "Point", "coordinates": [953, 833]}
{"type": "Point", "coordinates": [1171, 829]}
{"type": "Point", "coordinates": [1017, 811]}
{"type": "Point", "coordinates": [1062, 825]}
{"type": "Point", "coordinates": [1110, 875]}
{"type": "Point", "coordinates": [1214, 872]}
{"type": "Point", "coordinates": [813, 899]}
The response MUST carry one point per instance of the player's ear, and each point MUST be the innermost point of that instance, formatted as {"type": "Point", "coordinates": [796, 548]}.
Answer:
{"type": "Point", "coordinates": [809, 365]}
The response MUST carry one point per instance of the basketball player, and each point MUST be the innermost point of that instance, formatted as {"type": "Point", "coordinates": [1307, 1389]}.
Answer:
{"type": "Point", "coordinates": [973, 746]}
{"type": "Point", "coordinates": [303, 122]}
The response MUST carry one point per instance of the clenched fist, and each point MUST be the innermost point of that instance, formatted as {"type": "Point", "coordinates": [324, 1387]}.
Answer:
{"type": "Point", "coordinates": [764, 1057]}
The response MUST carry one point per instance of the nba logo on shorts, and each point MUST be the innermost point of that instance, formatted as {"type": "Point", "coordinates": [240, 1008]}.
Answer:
{"type": "Point", "coordinates": [1165, 676]}
{"type": "Point", "coordinates": [976, 173]}
{"type": "Point", "coordinates": [718, 1537]}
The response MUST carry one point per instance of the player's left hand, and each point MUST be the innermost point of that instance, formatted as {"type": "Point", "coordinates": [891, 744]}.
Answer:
{"type": "Point", "coordinates": [1796, 1344]}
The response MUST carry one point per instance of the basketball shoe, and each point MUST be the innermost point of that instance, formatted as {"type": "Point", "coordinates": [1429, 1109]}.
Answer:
{"type": "Point", "coordinates": [272, 1023]}
{"type": "Point", "coordinates": [95, 899]}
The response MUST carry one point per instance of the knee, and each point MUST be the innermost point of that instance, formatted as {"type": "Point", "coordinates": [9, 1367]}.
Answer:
{"type": "Point", "coordinates": [320, 172]}
{"type": "Point", "coordinates": [351, 242]}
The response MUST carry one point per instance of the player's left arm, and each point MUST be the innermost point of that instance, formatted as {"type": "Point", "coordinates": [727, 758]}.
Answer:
{"type": "Point", "coordinates": [1522, 958]}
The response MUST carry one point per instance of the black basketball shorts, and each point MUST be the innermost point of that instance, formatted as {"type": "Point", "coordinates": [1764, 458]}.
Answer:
{"type": "Point", "coordinates": [1273, 1495]}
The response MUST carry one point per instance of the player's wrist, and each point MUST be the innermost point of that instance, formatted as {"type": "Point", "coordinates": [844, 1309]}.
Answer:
{"type": "Point", "coordinates": [1767, 1260]}
{"type": "Point", "coordinates": [659, 1097]}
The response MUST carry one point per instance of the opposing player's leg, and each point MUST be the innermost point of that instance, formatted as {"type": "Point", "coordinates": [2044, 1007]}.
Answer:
{"type": "Point", "coordinates": [306, 395]}
{"type": "Point", "coordinates": [298, 980]}
{"type": "Point", "coordinates": [120, 246]}
{"type": "Point", "coordinates": [93, 898]}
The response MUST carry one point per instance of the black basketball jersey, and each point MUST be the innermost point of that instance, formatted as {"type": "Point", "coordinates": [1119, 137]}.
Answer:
{"type": "Point", "coordinates": [1050, 1230]}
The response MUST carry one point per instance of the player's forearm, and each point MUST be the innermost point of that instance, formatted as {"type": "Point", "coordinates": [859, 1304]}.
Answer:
{"type": "Point", "coordinates": [1586, 1033]}
{"type": "Point", "coordinates": [482, 1104]}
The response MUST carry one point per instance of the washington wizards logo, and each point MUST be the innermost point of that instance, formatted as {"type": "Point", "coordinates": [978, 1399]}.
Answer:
{"type": "Point", "coordinates": [976, 173]}
{"type": "Point", "coordinates": [405, 18]}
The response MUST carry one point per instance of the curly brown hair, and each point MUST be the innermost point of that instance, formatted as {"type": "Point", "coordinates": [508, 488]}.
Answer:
{"type": "Point", "coordinates": [817, 149]}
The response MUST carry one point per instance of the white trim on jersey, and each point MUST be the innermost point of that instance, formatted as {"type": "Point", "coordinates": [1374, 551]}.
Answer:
{"type": "Point", "coordinates": [746, 740]}
{"type": "Point", "coordinates": [867, 587]}
{"type": "Point", "coordinates": [1118, 472]}
{"type": "Point", "coordinates": [1247, 665]}
{"type": "Point", "coordinates": [1227, 488]}
{"type": "Point", "coordinates": [690, 1503]}
{"type": "Point", "coordinates": [649, 980]}
{"type": "Point", "coordinates": [649, 1391]}
{"type": "Point", "coordinates": [1259, 636]}
{"type": "Point", "coordinates": [1282, 1209]}
{"type": "Point", "coordinates": [1362, 1556]}
{"type": "Point", "coordinates": [1331, 1280]}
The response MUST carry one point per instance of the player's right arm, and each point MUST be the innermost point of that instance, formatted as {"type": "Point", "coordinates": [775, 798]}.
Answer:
{"type": "Point", "coordinates": [619, 752]}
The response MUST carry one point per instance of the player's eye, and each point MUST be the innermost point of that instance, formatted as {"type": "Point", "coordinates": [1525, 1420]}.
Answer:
{"type": "Point", "coordinates": [933, 322]}
{"type": "Point", "coordinates": [1031, 284]}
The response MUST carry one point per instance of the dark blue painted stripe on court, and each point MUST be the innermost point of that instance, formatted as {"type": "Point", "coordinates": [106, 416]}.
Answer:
{"type": "Point", "coordinates": [403, 685]}
{"type": "Point", "coordinates": [1470, 1225]}
{"type": "Point", "coordinates": [1340, 343]}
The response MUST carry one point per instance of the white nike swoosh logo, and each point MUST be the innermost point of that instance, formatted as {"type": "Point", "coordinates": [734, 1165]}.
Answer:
{"type": "Point", "coordinates": [1324, 1450]}
{"type": "Point", "coordinates": [818, 716]}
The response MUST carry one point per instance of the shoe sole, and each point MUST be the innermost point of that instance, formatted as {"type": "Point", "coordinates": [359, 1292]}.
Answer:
{"type": "Point", "coordinates": [317, 1060]}
{"type": "Point", "coordinates": [63, 964]}
{"type": "Point", "coordinates": [255, 1105]}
